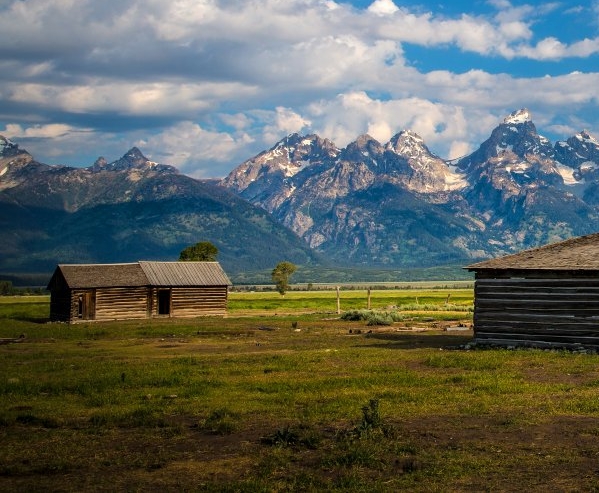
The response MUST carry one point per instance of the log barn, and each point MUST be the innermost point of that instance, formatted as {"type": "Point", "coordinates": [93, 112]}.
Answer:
{"type": "Point", "coordinates": [84, 292]}
{"type": "Point", "coordinates": [543, 297]}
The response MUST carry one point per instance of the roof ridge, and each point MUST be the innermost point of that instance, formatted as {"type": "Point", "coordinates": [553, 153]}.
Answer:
{"type": "Point", "coordinates": [578, 253]}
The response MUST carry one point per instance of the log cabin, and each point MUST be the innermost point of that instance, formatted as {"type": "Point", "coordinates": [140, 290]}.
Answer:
{"type": "Point", "coordinates": [543, 297]}
{"type": "Point", "coordinates": [84, 292]}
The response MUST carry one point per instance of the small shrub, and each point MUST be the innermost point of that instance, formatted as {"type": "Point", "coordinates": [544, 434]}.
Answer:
{"type": "Point", "coordinates": [222, 422]}
{"type": "Point", "coordinates": [283, 437]}
{"type": "Point", "coordinates": [372, 424]}
{"type": "Point", "coordinates": [287, 437]}
{"type": "Point", "coordinates": [379, 319]}
{"type": "Point", "coordinates": [356, 315]}
{"type": "Point", "coordinates": [372, 317]}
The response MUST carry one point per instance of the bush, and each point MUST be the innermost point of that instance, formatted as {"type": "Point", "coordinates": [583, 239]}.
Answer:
{"type": "Point", "coordinates": [222, 422]}
{"type": "Point", "coordinates": [372, 317]}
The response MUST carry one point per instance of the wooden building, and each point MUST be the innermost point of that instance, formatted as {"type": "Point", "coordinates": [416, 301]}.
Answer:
{"type": "Point", "coordinates": [83, 292]}
{"type": "Point", "coordinates": [543, 297]}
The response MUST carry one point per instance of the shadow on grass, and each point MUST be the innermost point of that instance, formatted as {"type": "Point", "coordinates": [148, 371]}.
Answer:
{"type": "Point", "coordinates": [418, 340]}
{"type": "Point", "coordinates": [33, 320]}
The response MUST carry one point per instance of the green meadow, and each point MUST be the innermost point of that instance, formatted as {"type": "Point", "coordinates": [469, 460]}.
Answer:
{"type": "Point", "coordinates": [285, 394]}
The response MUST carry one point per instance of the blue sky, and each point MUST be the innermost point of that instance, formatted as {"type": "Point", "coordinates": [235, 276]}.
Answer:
{"type": "Point", "coordinates": [206, 84]}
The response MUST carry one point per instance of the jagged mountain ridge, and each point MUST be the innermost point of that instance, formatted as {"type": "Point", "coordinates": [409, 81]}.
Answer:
{"type": "Point", "coordinates": [127, 210]}
{"type": "Point", "coordinates": [369, 204]}
{"type": "Point", "coordinates": [397, 204]}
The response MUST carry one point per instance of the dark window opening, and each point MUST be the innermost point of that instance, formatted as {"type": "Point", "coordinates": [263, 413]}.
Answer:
{"type": "Point", "coordinates": [164, 302]}
{"type": "Point", "coordinates": [86, 305]}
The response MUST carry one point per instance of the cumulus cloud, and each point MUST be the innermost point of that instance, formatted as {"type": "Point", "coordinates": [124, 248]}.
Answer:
{"type": "Point", "coordinates": [50, 131]}
{"type": "Point", "coordinates": [193, 149]}
{"type": "Point", "coordinates": [436, 123]}
{"type": "Point", "coordinates": [202, 84]}
{"type": "Point", "coordinates": [383, 7]}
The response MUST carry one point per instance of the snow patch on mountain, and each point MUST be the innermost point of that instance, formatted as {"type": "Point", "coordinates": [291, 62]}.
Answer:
{"type": "Point", "coordinates": [567, 174]}
{"type": "Point", "coordinates": [455, 180]}
{"type": "Point", "coordinates": [584, 136]}
{"type": "Point", "coordinates": [518, 117]}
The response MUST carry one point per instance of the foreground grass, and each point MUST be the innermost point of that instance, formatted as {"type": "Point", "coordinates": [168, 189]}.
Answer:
{"type": "Point", "coordinates": [287, 403]}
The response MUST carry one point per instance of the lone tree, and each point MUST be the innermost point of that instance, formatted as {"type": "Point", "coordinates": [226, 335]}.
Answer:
{"type": "Point", "coordinates": [204, 251]}
{"type": "Point", "coordinates": [281, 274]}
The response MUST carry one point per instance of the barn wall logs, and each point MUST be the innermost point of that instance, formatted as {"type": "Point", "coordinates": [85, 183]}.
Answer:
{"type": "Point", "coordinates": [112, 304]}
{"type": "Point", "coordinates": [199, 301]}
{"type": "Point", "coordinates": [552, 311]}
{"type": "Point", "coordinates": [138, 303]}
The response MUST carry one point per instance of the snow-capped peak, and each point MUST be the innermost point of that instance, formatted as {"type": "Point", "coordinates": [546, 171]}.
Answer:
{"type": "Point", "coordinates": [520, 116]}
{"type": "Point", "coordinates": [4, 142]}
{"type": "Point", "coordinates": [407, 143]}
{"type": "Point", "coordinates": [586, 137]}
{"type": "Point", "coordinates": [8, 148]}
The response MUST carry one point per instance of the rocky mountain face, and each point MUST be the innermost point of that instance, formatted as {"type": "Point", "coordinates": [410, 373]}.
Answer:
{"type": "Point", "coordinates": [368, 205]}
{"type": "Point", "coordinates": [127, 210]}
{"type": "Point", "coordinates": [397, 204]}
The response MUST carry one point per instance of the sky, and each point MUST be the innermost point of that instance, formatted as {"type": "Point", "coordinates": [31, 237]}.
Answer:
{"type": "Point", "coordinates": [205, 84]}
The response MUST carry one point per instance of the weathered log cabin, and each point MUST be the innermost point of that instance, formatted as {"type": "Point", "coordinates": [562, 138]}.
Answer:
{"type": "Point", "coordinates": [543, 297]}
{"type": "Point", "coordinates": [83, 292]}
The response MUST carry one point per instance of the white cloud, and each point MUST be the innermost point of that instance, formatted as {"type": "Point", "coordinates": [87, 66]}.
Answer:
{"type": "Point", "coordinates": [194, 150]}
{"type": "Point", "coordinates": [284, 121]}
{"type": "Point", "coordinates": [49, 131]}
{"type": "Point", "coordinates": [158, 98]}
{"type": "Point", "coordinates": [352, 114]}
{"type": "Point", "coordinates": [383, 7]}
{"type": "Point", "coordinates": [235, 77]}
{"type": "Point", "coordinates": [459, 149]}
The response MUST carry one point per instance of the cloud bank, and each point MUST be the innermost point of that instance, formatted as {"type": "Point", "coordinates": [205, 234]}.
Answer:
{"type": "Point", "coordinates": [205, 84]}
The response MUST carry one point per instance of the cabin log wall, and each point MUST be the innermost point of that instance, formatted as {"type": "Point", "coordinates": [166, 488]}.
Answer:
{"type": "Point", "coordinates": [544, 312]}
{"type": "Point", "coordinates": [113, 304]}
{"type": "Point", "coordinates": [198, 301]}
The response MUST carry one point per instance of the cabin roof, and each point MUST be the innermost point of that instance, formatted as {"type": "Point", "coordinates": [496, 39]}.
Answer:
{"type": "Point", "coordinates": [142, 274]}
{"type": "Point", "coordinates": [580, 253]}
{"type": "Point", "coordinates": [185, 274]}
{"type": "Point", "coordinates": [102, 275]}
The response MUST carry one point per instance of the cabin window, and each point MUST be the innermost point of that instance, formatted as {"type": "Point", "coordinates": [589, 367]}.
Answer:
{"type": "Point", "coordinates": [164, 302]}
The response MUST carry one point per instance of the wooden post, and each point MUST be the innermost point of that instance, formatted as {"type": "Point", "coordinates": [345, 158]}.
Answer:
{"type": "Point", "coordinates": [368, 305]}
{"type": "Point", "coordinates": [338, 302]}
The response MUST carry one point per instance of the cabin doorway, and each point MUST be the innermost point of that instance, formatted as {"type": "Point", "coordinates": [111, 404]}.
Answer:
{"type": "Point", "coordinates": [86, 306]}
{"type": "Point", "coordinates": [164, 302]}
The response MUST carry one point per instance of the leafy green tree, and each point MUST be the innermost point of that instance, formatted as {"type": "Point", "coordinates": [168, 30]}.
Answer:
{"type": "Point", "coordinates": [204, 251]}
{"type": "Point", "coordinates": [281, 274]}
{"type": "Point", "coordinates": [6, 288]}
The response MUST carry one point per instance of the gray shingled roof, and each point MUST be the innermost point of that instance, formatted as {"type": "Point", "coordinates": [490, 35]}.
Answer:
{"type": "Point", "coordinates": [144, 274]}
{"type": "Point", "coordinates": [185, 274]}
{"type": "Point", "coordinates": [103, 275]}
{"type": "Point", "coordinates": [581, 253]}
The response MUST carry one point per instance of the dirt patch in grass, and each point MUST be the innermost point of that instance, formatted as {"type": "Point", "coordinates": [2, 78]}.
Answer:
{"type": "Point", "coordinates": [448, 453]}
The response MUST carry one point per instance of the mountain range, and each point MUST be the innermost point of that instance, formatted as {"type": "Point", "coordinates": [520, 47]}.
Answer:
{"type": "Point", "coordinates": [128, 210]}
{"type": "Point", "coordinates": [366, 206]}
{"type": "Point", "coordinates": [398, 204]}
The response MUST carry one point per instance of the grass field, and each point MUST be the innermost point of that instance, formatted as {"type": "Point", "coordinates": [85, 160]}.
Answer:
{"type": "Point", "coordinates": [298, 401]}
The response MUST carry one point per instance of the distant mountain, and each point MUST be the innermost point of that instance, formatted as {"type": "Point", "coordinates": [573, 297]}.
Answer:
{"type": "Point", "coordinates": [127, 210]}
{"type": "Point", "coordinates": [398, 205]}
{"type": "Point", "coordinates": [370, 205]}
